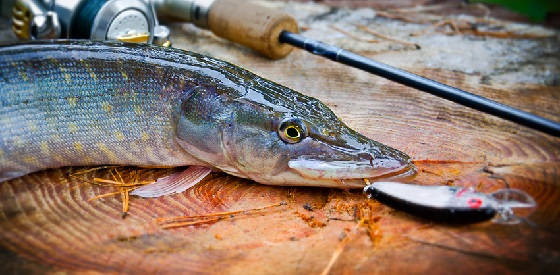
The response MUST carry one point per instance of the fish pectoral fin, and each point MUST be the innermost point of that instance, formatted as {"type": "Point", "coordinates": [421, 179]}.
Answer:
{"type": "Point", "coordinates": [174, 183]}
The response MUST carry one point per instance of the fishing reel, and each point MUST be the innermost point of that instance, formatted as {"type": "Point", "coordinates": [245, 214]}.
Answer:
{"type": "Point", "coordinates": [239, 21]}
{"type": "Point", "coordinates": [120, 20]}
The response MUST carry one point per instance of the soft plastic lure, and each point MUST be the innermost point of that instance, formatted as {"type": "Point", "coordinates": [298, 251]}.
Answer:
{"type": "Point", "coordinates": [453, 204]}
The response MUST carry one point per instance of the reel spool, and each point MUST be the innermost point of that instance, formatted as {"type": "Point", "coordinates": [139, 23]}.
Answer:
{"type": "Point", "coordinates": [122, 20]}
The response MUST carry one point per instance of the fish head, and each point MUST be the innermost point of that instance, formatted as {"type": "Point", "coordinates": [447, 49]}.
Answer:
{"type": "Point", "coordinates": [313, 151]}
{"type": "Point", "coordinates": [276, 136]}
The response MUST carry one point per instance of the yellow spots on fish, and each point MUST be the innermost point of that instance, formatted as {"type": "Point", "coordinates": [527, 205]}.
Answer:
{"type": "Point", "coordinates": [55, 137]}
{"type": "Point", "coordinates": [144, 136]}
{"type": "Point", "coordinates": [17, 141]}
{"type": "Point", "coordinates": [79, 149]}
{"type": "Point", "coordinates": [72, 101]}
{"type": "Point", "coordinates": [160, 71]}
{"type": "Point", "coordinates": [67, 76]}
{"type": "Point", "coordinates": [138, 110]}
{"type": "Point", "coordinates": [149, 152]}
{"type": "Point", "coordinates": [45, 148]}
{"type": "Point", "coordinates": [23, 75]}
{"type": "Point", "coordinates": [51, 121]}
{"type": "Point", "coordinates": [110, 154]}
{"type": "Point", "coordinates": [78, 146]}
{"type": "Point", "coordinates": [107, 107]}
{"type": "Point", "coordinates": [30, 160]}
{"type": "Point", "coordinates": [32, 126]}
{"type": "Point", "coordinates": [124, 75]}
{"type": "Point", "coordinates": [72, 127]}
{"type": "Point", "coordinates": [88, 159]}
{"type": "Point", "coordinates": [57, 158]}
{"type": "Point", "coordinates": [119, 136]}
{"type": "Point", "coordinates": [92, 74]}
{"type": "Point", "coordinates": [88, 68]}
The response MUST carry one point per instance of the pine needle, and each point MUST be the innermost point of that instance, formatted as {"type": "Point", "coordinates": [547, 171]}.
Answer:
{"type": "Point", "coordinates": [370, 31]}
{"type": "Point", "coordinates": [181, 221]}
{"type": "Point", "coordinates": [104, 195]}
{"type": "Point", "coordinates": [351, 35]}
{"type": "Point", "coordinates": [340, 248]}
{"type": "Point", "coordinates": [118, 181]}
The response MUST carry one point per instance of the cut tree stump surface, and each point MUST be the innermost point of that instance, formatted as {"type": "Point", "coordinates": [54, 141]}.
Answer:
{"type": "Point", "coordinates": [48, 224]}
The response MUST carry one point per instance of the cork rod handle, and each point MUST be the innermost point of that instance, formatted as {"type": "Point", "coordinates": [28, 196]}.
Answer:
{"type": "Point", "coordinates": [252, 25]}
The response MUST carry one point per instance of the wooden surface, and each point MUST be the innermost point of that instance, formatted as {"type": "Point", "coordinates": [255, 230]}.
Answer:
{"type": "Point", "coordinates": [48, 224]}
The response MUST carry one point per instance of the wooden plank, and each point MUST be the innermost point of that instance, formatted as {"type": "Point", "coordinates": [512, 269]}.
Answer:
{"type": "Point", "coordinates": [48, 222]}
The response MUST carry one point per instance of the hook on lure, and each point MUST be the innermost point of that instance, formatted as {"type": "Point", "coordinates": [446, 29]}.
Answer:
{"type": "Point", "coordinates": [454, 204]}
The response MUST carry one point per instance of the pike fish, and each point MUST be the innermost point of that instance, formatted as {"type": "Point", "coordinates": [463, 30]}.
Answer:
{"type": "Point", "coordinates": [83, 103]}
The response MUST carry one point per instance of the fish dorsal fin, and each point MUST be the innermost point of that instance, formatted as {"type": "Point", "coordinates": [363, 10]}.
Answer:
{"type": "Point", "coordinates": [174, 183]}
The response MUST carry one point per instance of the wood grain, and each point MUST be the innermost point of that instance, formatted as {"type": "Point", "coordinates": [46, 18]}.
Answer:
{"type": "Point", "coordinates": [49, 224]}
{"type": "Point", "coordinates": [47, 217]}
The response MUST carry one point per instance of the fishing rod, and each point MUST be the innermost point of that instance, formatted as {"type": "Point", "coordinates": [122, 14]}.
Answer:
{"type": "Point", "coordinates": [433, 87]}
{"type": "Point", "coordinates": [270, 32]}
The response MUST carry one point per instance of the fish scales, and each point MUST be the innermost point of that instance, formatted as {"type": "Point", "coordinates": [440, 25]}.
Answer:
{"type": "Point", "coordinates": [71, 104]}
{"type": "Point", "coordinates": [80, 103]}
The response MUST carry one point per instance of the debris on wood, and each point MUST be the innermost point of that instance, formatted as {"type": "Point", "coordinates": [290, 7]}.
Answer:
{"type": "Point", "coordinates": [124, 185]}
{"type": "Point", "coordinates": [351, 35]}
{"type": "Point", "coordinates": [386, 37]}
{"type": "Point", "coordinates": [340, 248]}
{"type": "Point", "coordinates": [468, 25]}
{"type": "Point", "coordinates": [181, 221]}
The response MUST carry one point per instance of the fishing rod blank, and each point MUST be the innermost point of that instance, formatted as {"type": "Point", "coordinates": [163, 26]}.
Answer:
{"type": "Point", "coordinates": [421, 83]}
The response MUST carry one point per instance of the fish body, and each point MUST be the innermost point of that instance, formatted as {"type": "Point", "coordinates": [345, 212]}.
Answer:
{"type": "Point", "coordinates": [82, 103]}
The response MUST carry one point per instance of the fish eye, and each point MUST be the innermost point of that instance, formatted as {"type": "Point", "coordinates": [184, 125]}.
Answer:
{"type": "Point", "coordinates": [292, 130]}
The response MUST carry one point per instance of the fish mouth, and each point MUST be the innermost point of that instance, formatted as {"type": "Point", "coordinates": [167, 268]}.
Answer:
{"type": "Point", "coordinates": [351, 173]}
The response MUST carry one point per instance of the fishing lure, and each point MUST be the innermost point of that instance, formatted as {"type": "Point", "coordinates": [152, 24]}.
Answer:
{"type": "Point", "coordinates": [453, 204]}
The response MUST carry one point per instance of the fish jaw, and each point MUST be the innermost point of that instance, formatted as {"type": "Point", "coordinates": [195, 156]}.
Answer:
{"type": "Point", "coordinates": [351, 174]}
{"type": "Point", "coordinates": [345, 169]}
